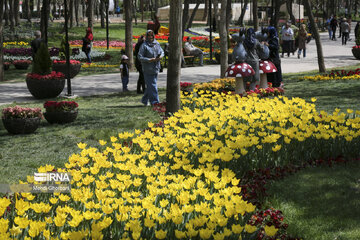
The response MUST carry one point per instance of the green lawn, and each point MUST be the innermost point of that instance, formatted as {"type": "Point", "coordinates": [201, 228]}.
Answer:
{"type": "Point", "coordinates": [321, 203]}
{"type": "Point", "coordinates": [99, 118]}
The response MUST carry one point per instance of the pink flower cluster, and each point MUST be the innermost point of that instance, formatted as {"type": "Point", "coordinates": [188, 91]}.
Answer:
{"type": "Point", "coordinates": [53, 75]}
{"type": "Point", "coordinates": [20, 112]}
{"type": "Point", "coordinates": [113, 44]}
{"type": "Point", "coordinates": [21, 62]}
{"type": "Point", "coordinates": [63, 106]}
{"type": "Point", "coordinates": [64, 62]}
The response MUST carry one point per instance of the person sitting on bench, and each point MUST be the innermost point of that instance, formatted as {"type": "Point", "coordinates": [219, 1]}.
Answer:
{"type": "Point", "coordinates": [190, 49]}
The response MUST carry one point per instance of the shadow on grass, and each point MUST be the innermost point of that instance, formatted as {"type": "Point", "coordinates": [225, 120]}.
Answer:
{"type": "Point", "coordinates": [320, 203]}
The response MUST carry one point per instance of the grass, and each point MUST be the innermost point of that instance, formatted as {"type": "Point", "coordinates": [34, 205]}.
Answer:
{"type": "Point", "coordinates": [320, 203]}
{"type": "Point", "coordinates": [329, 94]}
{"type": "Point", "coordinates": [99, 118]}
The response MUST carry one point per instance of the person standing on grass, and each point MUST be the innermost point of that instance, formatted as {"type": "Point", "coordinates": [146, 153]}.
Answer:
{"type": "Point", "coordinates": [273, 45]}
{"type": "Point", "coordinates": [150, 54]}
{"type": "Point", "coordinates": [345, 28]}
{"type": "Point", "coordinates": [141, 82]}
{"type": "Point", "coordinates": [87, 41]}
{"type": "Point", "coordinates": [124, 71]}
{"type": "Point", "coordinates": [302, 36]}
{"type": "Point", "coordinates": [35, 44]}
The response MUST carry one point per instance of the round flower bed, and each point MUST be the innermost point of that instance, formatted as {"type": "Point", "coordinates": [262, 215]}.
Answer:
{"type": "Point", "coordinates": [60, 66]}
{"type": "Point", "coordinates": [60, 112]}
{"type": "Point", "coordinates": [356, 51]}
{"type": "Point", "coordinates": [45, 86]}
{"type": "Point", "coordinates": [18, 120]}
{"type": "Point", "coordinates": [22, 64]}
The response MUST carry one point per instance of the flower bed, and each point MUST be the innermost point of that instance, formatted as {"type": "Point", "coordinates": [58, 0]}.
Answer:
{"type": "Point", "coordinates": [21, 64]}
{"type": "Point", "coordinates": [335, 75]}
{"type": "Point", "coordinates": [5, 44]}
{"type": "Point", "coordinates": [178, 179]}
{"type": "Point", "coordinates": [100, 44]}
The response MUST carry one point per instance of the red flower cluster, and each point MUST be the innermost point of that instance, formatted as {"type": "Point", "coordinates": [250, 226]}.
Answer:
{"type": "Point", "coordinates": [6, 63]}
{"type": "Point", "coordinates": [20, 112]}
{"type": "Point", "coordinates": [356, 46]}
{"type": "Point", "coordinates": [53, 75]}
{"type": "Point", "coordinates": [342, 73]}
{"type": "Point", "coordinates": [64, 62]}
{"type": "Point", "coordinates": [21, 62]}
{"type": "Point", "coordinates": [63, 106]}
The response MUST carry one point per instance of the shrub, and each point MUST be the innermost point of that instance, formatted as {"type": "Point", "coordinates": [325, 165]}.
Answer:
{"type": "Point", "coordinates": [42, 62]}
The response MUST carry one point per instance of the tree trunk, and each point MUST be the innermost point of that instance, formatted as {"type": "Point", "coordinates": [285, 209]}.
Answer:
{"type": "Point", "coordinates": [90, 13]}
{"type": "Point", "coordinates": [289, 10]}
{"type": "Point", "coordinates": [11, 15]}
{"type": "Point", "coordinates": [102, 14]}
{"type": "Point", "coordinates": [142, 10]}
{"type": "Point", "coordinates": [223, 40]}
{"type": "Point", "coordinates": [128, 31]}
{"type": "Point", "coordinates": [134, 10]}
{"type": "Point", "coordinates": [16, 12]}
{"type": "Point", "coordinates": [242, 14]}
{"type": "Point", "coordinates": [206, 10]}
{"type": "Point", "coordinates": [71, 13]}
{"type": "Point", "coordinates": [315, 32]}
{"type": "Point", "coordinates": [228, 15]}
{"type": "Point", "coordinates": [77, 4]}
{"type": "Point", "coordinates": [1, 41]}
{"type": "Point", "coordinates": [255, 15]}
{"type": "Point", "coordinates": [156, 6]}
{"type": "Point", "coordinates": [276, 14]}
{"type": "Point", "coordinates": [38, 8]}
{"type": "Point", "coordinates": [6, 13]}
{"type": "Point", "coordinates": [28, 10]}
{"type": "Point", "coordinates": [193, 14]}
{"type": "Point", "coordinates": [44, 21]}
{"type": "Point", "coordinates": [215, 20]}
{"type": "Point", "coordinates": [185, 15]}
{"type": "Point", "coordinates": [175, 47]}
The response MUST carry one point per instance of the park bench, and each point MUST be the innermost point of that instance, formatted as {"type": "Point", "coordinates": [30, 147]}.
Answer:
{"type": "Point", "coordinates": [189, 59]}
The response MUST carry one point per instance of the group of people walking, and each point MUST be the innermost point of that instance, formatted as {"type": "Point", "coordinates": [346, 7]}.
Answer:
{"type": "Point", "coordinates": [291, 40]}
{"type": "Point", "coordinates": [344, 28]}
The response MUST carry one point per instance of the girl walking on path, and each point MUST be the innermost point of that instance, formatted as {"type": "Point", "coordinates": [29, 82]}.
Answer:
{"type": "Point", "coordinates": [302, 36]}
{"type": "Point", "coordinates": [124, 71]}
{"type": "Point", "coordinates": [87, 40]}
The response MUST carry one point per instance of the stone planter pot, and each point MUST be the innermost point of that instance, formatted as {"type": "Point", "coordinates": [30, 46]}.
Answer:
{"type": "Point", "coordinates": [45, 88]}
{"type": "Point", "coordinates": [21, 126]}
{"type": "Point", "coordinates": [61, 117]}
{"type": "Point", "coordinates": [356, 52]}
{"type": "Point", "coordinates": [21, 66]}
{"type": "Point", "coordinates": [74, 69]}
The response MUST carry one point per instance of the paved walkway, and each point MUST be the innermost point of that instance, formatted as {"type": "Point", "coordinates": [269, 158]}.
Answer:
{"type": "Point", "coordinates": [335, 55]}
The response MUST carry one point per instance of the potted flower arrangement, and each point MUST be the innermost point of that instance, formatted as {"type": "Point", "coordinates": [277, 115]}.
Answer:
{"type": "Point", "coordinates": [6, 65]}
{"type": "Point", "coordinates": [60, 66]}
{"type": "Point", "coordinates": [41, 82]}
{"type": "Point", "coordinates": [21, 64]}
{"type": "Point", "coordinates": [60, 112]}
{"type": "Point", "coordinates": [18, 120]}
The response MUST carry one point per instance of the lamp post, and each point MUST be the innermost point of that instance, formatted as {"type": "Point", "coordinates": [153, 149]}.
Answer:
{"type": "Point", "coordinates": [67, 54]}
{"type": "Point", "coordinates": [210, 25]}
{"type": "Point", "coordinates": [107, 23]}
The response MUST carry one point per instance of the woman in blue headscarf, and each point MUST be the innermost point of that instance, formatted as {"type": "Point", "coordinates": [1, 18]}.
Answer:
{"type": "Point", "coordinates": [253, 47]}
{"type": "Point", "coordinates": [273, 44]}
{"type": "Point", "coordinates": [150, 54]}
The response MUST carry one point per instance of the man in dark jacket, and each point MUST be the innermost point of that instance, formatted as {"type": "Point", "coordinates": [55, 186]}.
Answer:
{"type": "Point", "coordinates": [333, 25]}
{"type": "Point", "coordinates": [35, 44]}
